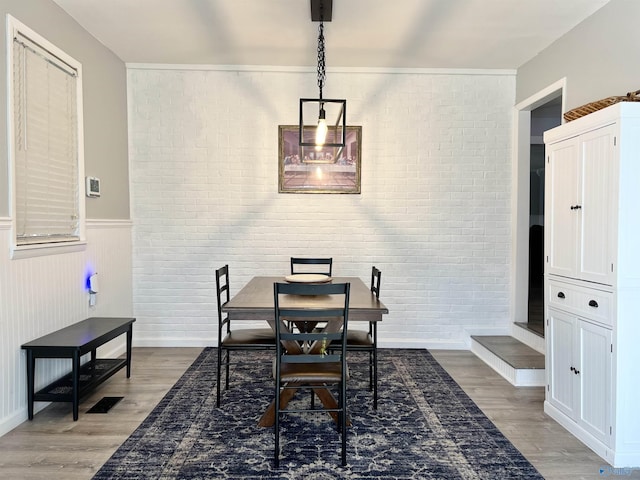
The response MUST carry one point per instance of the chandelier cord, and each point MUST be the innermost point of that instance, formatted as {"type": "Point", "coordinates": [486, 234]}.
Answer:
{"type": "Point", "coordinates": [321, 60]}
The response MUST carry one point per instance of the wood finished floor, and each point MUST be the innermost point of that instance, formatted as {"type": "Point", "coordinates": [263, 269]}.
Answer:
{"type": "Point", "coordinates": [53, 446]}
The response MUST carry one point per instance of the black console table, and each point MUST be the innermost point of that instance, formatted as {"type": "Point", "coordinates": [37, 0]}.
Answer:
{"type": "Point", "coordinates": [73, 342]}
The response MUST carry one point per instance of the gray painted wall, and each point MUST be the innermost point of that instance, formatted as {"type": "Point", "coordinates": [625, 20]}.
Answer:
{"type": "Point", "coordinates": [105, 104]}
{"type": "Point", "coordinates": [599, 58]}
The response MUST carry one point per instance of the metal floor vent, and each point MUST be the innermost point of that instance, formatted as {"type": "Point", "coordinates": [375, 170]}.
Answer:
{"type": "Point", "coordinates": [104, 405]}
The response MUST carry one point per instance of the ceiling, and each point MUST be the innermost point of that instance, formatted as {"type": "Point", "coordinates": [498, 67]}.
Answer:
{"type": "Point", "coordinates": [476, 34]}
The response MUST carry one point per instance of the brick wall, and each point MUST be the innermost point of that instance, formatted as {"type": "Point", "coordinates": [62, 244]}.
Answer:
{"type": "Point", "coordinates": [434, 212]}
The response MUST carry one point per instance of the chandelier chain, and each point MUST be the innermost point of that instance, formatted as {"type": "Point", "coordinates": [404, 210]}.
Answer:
{"type": "Point", "coordinates": [321, 60]}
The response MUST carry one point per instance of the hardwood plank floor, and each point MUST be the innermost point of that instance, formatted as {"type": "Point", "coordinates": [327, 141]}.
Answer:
{"type": "Point", "coordinates": [53, 446]}
{"type": "Point", "coordinates": [518, 413]}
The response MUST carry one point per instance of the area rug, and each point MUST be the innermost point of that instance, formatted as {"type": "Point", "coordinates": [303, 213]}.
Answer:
{"type": "Point", "coordinates": [425, 427]}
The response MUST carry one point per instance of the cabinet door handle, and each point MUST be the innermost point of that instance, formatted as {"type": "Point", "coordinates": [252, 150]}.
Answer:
{"type": "Point", "coordinates": [576, 207]}
{"type": "Point", "coordinates": [593, 303]}
{"type": "Point", "coordinates": [560, 294]}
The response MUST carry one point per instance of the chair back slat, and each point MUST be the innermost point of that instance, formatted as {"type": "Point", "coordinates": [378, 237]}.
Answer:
{"type": "Point", "coordinates": [222, 295]}
{"type": "Point", "coordinates": [316, 266]}
{"type": "Point", "coordinates": [305, 358]}
{"type": "Point", "coordinates": [376, 276]}
{"type": "Point", "coordinates": [311, 336]}
{"type": "Point", "coordinates": [317, 315]}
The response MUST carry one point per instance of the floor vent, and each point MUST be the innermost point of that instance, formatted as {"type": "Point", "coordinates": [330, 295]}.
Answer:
{"type": "Point", "coordinates": [104, 405]}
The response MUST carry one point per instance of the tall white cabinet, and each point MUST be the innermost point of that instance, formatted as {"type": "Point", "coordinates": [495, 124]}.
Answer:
{"type": "Point", "coordinates": [592, 280]}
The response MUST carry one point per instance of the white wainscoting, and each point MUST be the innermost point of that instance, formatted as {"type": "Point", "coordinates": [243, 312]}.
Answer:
{"type": "Point", "coordinates": [42, 294]}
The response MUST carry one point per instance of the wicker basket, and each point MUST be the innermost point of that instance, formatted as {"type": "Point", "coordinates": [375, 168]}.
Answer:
{"type": "Point", "coordinates": [600, 104]}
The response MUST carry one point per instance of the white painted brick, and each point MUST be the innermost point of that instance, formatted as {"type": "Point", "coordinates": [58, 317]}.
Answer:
{"type": "Point", "coordinates": [434, 212]}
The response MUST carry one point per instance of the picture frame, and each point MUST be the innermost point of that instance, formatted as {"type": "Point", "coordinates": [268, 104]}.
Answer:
{"type": "Point", "coordinates": [318, 170]}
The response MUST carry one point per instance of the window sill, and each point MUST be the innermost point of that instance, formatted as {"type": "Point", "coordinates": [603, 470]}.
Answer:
{"type": "Point", "coordinates": [40, 250]}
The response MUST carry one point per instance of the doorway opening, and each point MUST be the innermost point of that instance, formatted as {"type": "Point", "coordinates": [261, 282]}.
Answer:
{"type": "Point", "coordinates": [534, 116]}
{"type": "Point", "coordinates": [544, 117]}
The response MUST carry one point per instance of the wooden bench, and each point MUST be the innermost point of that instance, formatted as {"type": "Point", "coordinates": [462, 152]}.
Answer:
{"type": "Point", "coordinates": [73, 342]}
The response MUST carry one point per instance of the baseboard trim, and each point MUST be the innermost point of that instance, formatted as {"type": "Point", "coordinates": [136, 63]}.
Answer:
{"type": "Point", "coordinates": [598, 447]}
{"type": "Point", "coordinates": [145, 341]}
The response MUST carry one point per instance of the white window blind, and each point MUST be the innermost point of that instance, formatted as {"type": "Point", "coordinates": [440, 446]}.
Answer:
{"type": "Point", "coordinates": [46, 179]}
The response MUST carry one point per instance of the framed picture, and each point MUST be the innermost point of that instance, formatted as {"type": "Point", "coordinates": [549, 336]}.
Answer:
{"type": "Point", "coordinates": [315, 169]}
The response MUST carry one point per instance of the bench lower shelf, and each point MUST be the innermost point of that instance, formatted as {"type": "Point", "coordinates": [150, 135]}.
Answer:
{"type": "Point", "coordinates": [92, 374]}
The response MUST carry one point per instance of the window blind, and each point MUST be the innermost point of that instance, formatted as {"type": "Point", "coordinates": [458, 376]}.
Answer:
{"type": "Point", "coordinates": [46, 146]}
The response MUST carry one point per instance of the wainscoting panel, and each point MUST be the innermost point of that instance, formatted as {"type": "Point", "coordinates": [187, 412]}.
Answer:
{"type": "Point", "coordinates": [42, 294]}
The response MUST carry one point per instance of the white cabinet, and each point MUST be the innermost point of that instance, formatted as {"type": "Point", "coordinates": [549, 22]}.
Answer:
{"type": "Point", "coordinates": [580, 199]}
{"type": "Point", "coordinates": [561, 389]}
{"type": "Point", "coordinates": [580, 372]}
{"type": "Point", "coordinates": [592, 280]}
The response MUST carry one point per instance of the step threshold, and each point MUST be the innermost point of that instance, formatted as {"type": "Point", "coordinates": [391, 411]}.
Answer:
{"type": "Point", "coordinates": [518, 363]}
{"type": "Point", "coordinates": [512, 351]}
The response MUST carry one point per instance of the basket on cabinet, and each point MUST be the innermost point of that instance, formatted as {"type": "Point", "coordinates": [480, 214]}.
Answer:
{"type": "Point", "coordinates": [591, 107]}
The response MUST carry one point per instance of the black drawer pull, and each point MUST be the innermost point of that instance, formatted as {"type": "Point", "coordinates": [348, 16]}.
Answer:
{"type": "Point", "coordinates": [576, 207]}
{"type": "Point", "coordinates": [593, 303]}
{"type": "Point", "coordinates": [560, 294]}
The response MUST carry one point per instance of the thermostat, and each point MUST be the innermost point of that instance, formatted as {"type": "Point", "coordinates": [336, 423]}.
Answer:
{"type": "Point", "coordinates": [93, 187]}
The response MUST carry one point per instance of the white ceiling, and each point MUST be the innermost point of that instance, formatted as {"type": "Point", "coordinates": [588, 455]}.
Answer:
{"type": "Point", "coordinates": [484, 34]}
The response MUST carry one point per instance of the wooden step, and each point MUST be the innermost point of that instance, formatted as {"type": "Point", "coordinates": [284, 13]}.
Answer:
{"type": "Point", "coordinates": [518, 363]}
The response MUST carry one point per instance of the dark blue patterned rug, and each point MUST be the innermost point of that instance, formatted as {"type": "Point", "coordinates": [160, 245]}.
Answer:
{"type": "Point", "coordinates": [425, 427]}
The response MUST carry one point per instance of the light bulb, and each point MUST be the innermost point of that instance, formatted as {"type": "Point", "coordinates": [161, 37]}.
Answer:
{"type": "Point", "coordinates": [321, 131]}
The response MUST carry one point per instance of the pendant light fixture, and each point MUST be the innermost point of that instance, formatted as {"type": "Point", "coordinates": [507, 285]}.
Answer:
{"type": "Point", "coordinates": [315, 112]}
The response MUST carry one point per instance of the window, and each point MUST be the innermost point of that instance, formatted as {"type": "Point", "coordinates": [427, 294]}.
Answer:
{"type": "Point", "coordinates": [46, 143]}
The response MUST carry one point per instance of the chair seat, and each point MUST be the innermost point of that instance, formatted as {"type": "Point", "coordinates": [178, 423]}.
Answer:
{"type": "Point", "coordinates": [250, 336]}
{"type": "Point", "coordinates": [311, 372]}
{"type": "Point", "coordinates": [361, 338]}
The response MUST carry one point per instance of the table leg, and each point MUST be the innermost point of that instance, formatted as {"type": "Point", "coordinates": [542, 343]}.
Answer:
{"type": "Point", "coordinates": [327, 400]}
{"type": "Point", "coordinates": [324, 394]}
{"type": "Point", "coordinates": [31, 367]}
{"type": "Point", "coordinates": [268, 418]}
{"type": "Point", "coordinates": [129, 341]}
{"type": "Point", "coordinates": [94, 357]}
{"type": "Point", "coordinates": [75, 375]}
{"type": "Point", "coordinates": [286, 395]}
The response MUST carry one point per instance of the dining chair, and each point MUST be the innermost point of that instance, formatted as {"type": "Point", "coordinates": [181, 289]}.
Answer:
{"type": "Point", "coordinates": [317, 266]}
{"type": "Point", "coordinates": [303, 359]}
{"type": "Point", "coordinates": [233, 339]}
{"type": "Point", "coordinates": [367, 340]}
{"type": "Point", "coordinates": [313, 266]}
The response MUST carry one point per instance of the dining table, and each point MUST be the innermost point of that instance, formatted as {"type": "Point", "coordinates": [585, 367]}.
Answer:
{"type": "Point", "coordinates": [255, 301]}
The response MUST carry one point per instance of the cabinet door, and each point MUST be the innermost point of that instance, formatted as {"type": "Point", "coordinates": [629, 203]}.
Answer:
{"type": "Point", "coordinates": [594, 371]}
{"type": "Point", "coordinates": [561, 194]}
{"type": "Point", "coordinates": [598, 192]}
{"type": "Point", "coordinates": [563, 383]}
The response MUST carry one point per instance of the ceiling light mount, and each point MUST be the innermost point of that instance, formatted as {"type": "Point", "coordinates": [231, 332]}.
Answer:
{"type": "Point", "coordinates": [318, 133]}
{"type": "Point", "coordinates": [321, 10]}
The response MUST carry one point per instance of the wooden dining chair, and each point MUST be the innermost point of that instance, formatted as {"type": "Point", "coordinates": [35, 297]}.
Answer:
{"type": "Point", "coordinates": [317, 266]}
{"type": "Point", "coordinates": [303, 359]}
{"type": "Point", "coordinates": [367, 340]}
{"type": "Point", "coordinates": [313, 266]}
{"type": "Point", "coordinates": [233, 339]}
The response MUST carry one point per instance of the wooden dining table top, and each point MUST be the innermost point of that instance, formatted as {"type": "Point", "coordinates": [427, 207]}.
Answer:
{"type": "Point", "coordinates": [255, 300]}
